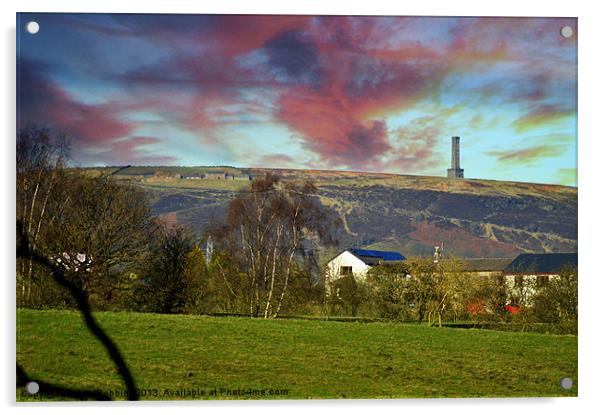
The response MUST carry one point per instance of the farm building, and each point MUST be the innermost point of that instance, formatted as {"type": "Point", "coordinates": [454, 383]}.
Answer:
{"type": "Point", "coordinates": [527, 272]}
{"type": "Point", "coordinates": [540, 264]}
{"type": "Point", "coordinates": [486, 267]}
{"type": "Point", "coordinates": [519, 278]}
{"type": "Point", "coordinates": [216, 175]}
{"type": "Point", "coordinates": [357, 262]}
{"type": "Point", "coordinates": [244, 177]}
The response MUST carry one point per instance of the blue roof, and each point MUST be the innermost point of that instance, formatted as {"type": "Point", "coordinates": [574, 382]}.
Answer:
{"type": "Point", "coordinates": [383, 255]}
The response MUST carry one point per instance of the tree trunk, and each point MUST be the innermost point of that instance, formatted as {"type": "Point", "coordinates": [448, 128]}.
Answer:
{"type": "Point", "coordinates": [290, 258]}
{"type": "Point", "coordinates": [271, 292]}
{"type": "Point", "coordinates": [286, 278]}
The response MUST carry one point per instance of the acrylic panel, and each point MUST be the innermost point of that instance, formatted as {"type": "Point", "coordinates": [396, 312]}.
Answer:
{"type": "Point", "coordinates": [295, 207]}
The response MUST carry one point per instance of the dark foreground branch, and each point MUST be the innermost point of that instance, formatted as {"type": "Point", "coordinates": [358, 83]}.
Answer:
{"type": "Point", "coordinates": [59, 391]}
{"type": "Point", "coordinates": [84, 307]}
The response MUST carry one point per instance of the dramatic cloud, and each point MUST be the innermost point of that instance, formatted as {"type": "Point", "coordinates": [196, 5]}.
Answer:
{"type": "Point", "coordinates": [543, 114]}
{"type": "Point", "coordinates": [43, 102]}
{"type": "Point", "coordinates": [527, 155]}
{"type": "Point", "coordinates": [416, 143]}
{"type": "Point", "coordinates": [343, 92]}
{"type": "Point", "coordinates": [294, 57]}
{"type": "Point", "coordinates": [276, 161]}
{"type": "Point", "coordinates": [132, 151]}
{"type": "Point", "coordinates": [341, 120]}
{"type": "Point", "coordinates": [89, 127]}
{"type": "Point", "coordinates": [331, 131]}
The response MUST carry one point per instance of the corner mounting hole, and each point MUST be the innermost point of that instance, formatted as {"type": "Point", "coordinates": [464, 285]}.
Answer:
{"type": "Point", "coordinates": [32, 388]}
{"type": "Point", "coordinates": [566, 32]}
{"type": "Point", "coordinates": [32, 27]}
{"type": "Point", "coordinates": [566, 383]}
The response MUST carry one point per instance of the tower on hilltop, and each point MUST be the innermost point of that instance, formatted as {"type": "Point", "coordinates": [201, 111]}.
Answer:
{"type": "Point", "coordinates": [455, 172]}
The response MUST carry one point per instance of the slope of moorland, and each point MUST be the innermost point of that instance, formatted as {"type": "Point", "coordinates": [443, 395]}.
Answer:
{"type": "Point", "coordinates": [471, 218]}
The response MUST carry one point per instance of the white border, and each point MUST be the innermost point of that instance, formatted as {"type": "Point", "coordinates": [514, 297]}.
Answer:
{"type": "Point", "coordinates": [590, 175]}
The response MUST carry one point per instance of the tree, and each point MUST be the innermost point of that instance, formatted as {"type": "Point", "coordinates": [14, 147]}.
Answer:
{"type": "Point", "coordinates": [93, 227]}
{"type": "Point", "coordinates": [425, 287]}
{"type": "Point", "coordinates": [226, 284]}
{"type": "Point", "coordinates": [306, 290]}
{"type": "Point", "coordinates": [57, 272]}
{"type": "Point", "coordinates": [453, 289]}
{"type": "Point", "coordinates": [347, 295]}
{"type": "Point", "coordinates": [269, 227]}
{"type": "Point", "coordinates": [196, 300]}
{"type": "Point", "coordinates": [556, 302]}
{"type": "Point", "coordinates": [393, 292]}
{"type": "Point", "coordinates": [476, 297]}
{"type": "Point", "coordinates": [100, 235]}
{"type": "Point", "coordinates": [41, 194]}
{"type": "Point", "coordinates": [172, 281]}
{"type": "Point", "coordinates": [45, 199]}
{"type": "Point", "coordinates": [417, 288]}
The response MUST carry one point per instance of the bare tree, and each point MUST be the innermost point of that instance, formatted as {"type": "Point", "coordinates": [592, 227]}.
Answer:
{"type": "Point", "coordinates": [270, 226]}
{"type": "Point", "coordinates": [58, 274]}
{"type": "Point", "coordinates": [41, 191]}
{"type": "Point", "coordinates": [101, 234]}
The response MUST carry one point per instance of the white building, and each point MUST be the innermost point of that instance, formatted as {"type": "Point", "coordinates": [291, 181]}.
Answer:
{"type": "Point", "coordinates": [358, 262]}
{"type": "Point", "coordinates": [528, 272]}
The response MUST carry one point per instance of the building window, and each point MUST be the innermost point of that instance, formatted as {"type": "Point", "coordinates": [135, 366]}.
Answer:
{"type": "Point", "coordinates": [519, 281]}
{"type": "Point", "coordinates": [346, 270]}
{"type": "Point", "coordinates": [543, 280]}
{"type": "Point", "coordinates": [501, 281]}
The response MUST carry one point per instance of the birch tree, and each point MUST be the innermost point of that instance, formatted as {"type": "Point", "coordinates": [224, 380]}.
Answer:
{"type": "Point", "coordinates": [41, 192]}
{"type": "Point", "coordinates": [270, 226]}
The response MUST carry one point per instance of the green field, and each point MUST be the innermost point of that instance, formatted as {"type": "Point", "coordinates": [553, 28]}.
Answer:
{"type": "Point", "coordinates": [308, 359]}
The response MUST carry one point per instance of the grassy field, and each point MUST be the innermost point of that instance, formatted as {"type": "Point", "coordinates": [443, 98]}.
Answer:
{"type": "Point", "coordinates": [308, 359]}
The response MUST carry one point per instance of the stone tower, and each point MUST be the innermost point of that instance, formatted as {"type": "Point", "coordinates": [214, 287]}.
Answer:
{"type": "Point", "coordinates": [455, 171]}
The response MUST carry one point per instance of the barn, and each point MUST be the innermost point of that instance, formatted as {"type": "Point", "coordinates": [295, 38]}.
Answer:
{"type": "Point", "coordinates": [216, 175]}
{"type": "Point", "coordinates": [486, 267]}
{"type": "Point", "coordinates": [357, 262]}
{"type": "Point", "coordinates": [527, 272]}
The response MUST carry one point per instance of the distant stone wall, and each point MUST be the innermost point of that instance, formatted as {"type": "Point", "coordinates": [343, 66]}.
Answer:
{"type": "Point", "coordinates": [218, 176]}
{"type": "Point", "coordinates": [244, 177]}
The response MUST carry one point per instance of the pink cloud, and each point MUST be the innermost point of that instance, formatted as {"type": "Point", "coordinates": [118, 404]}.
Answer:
{"type": "Point", "coordinates": [44, 102]}
{"type": "Point", "coordinates": [333, 81]}
{"type": "Point", "coordinates": [527, 155]}
{"type": "Point", "coordinates": [415, 144]}
{"type": "Point", "coordinates": [542, 114]}
{"type": "Point", "coordinates": [132, 150]}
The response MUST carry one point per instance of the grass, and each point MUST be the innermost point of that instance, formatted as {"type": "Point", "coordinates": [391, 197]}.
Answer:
{"type": "Point", "coordinates": [443, 184]}
{"type": "Point", "coordinates": [309, 359]}
{"type": "Point", "coordinates": [355, 180]}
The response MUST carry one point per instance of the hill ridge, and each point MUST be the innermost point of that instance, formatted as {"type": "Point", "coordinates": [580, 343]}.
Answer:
{"type": "Point", "coordinates": [409, 213]}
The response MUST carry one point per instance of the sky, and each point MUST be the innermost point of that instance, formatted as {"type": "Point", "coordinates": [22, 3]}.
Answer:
{"type": "Point", "coordinates": [374, 94]}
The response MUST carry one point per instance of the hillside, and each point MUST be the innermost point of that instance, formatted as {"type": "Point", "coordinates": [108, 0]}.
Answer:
{"type": "Point", "coordinates": [472, 218]}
